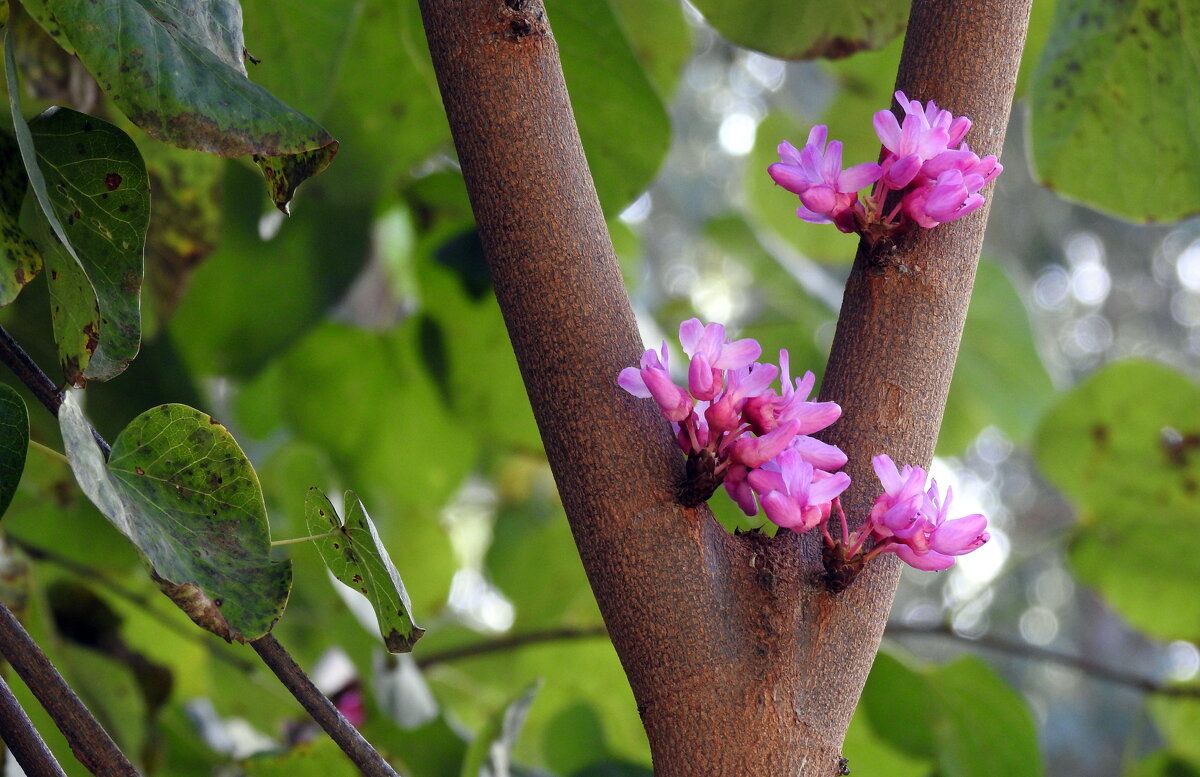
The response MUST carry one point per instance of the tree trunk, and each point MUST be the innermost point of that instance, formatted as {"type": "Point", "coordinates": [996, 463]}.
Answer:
{"type": "Point", "coordinates": [740, 664]}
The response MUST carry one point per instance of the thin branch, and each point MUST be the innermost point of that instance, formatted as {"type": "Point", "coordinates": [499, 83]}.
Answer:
{"type": "Point", "coordinates": [510, 642]}
{"type": "Point", "coordinates": [90, 743]}
{"type": "Point", "coordinates": [365, 757]}
{"type": "Point", "coordinates": [13, 356]}
{"type": "Point", "coordinates": [23, 740]}
{"type": "Point", "coordinates": [995, 643]}
{"type": "Point", "coordinates": [1078, 663]}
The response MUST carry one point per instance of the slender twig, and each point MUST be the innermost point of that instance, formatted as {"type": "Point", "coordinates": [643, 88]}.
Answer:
{"type": "Point", "coordinates": [38, 382]}
{"type": "Point", "coordinates": [510, 642]}
{"type": "Point", "coordinates": [115, 587]}
{"type": "Point", "coordinates": [365, 757]}
{"type": "Point", "coordinates": [941, 631]}
{"type": "Point", "coordinates": [25, 368]}
{"type": "Point", "coordinates": [23, 740]}
{"type": "Point", "coordinates": [1078, 663]}
{"type": "Point", "coordinates": [90, 743]}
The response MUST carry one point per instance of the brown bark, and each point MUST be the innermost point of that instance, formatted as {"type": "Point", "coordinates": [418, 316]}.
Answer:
{"type": "Point", "coordinates": [740, 664]}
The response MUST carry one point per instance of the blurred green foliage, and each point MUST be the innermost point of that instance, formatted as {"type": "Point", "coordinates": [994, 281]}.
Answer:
{"type": "Point", "coordinates": [357, 344]}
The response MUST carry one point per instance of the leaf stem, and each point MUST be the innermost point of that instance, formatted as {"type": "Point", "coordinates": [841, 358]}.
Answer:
{"type": "Point", "coordinates": [311, 537]}
{"type": "Point", "coordinates": [48, 451]}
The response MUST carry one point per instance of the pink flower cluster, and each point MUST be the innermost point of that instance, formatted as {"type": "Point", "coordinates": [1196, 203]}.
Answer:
{"type": "Point", "coordinates": [731, 424]}
{"type": "Point", "coordinates": [910, 521]}
{"type": "Point", "coordinates": [738, 431]}
{"type": "Point", "coordinates": [926, 161]}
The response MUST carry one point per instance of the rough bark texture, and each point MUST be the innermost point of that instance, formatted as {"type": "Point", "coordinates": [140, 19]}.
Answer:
{"type": "Point", "coordinates": [740, 664]}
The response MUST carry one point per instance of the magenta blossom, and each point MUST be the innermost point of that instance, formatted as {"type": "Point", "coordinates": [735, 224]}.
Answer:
{"type": "Point", "coordinates": [815, 173]}
{"type": "Point", "coordinates": [912, 523]}
{"type": "Point", "coordinates": [952, 195]}
{"type": "Point", "coordinates": [925, 160]}
{"type": "Point", "coordinates": [794, 494]}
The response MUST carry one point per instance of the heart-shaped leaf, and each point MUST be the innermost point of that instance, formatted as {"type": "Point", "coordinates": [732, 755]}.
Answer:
{"type": "Point", "coordinates": [1113, 123]}
{"type": "Point", "coordinates": [355, 555]}
{"type": "Point", "coordinates": [177, 71]}
{"type": "Point", "coordinates": [14, 442]}
{"type": "Point", "coordinates": [20, 259]}
{"type": "Point", "coordinates": [96, 185]}
{"type": "Point", "coordinates": [1124, 445]}
{"type": "Point", "coordinates": [180, 489]}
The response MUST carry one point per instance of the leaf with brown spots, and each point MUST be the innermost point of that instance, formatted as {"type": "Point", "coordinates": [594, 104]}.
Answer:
{"type": "Point", "coordinates": [806, 29]}
{"type": "Point", "coordinates": [285, 173]}
{"type": "Point", "coordinates": [20, 259]}
{"type": "Point", "coordinates": [95, 183]}
{"type": "Point", "coordinates": [356, 556]}
{"type": "Point", "coordinates": [1124, 445]}
{"type": "Point", "coordinates": [177, 70]}
{"type": "Point", "coordinates": [1113, 120]}
{"type": "Point", "coordinates": [180, 489]}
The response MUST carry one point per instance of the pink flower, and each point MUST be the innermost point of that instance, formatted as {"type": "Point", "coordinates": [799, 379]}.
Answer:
{"type": "Point", "coordinates": [756, 451]}
{"type": "Point", "coordinates": [725, 414]}
{"type": "Point", "coordinates": [653, 379]}
{"type": "Point", "coordinates": [952, 195]}
{"type": "Point", "coordinates": [767, 410]}
{"type": "Point", "coordinates": [815, 173]}
{"type": "Point", "coordinates": [711, 354]}
{"type": "Point", "coordinates": [912, 523]}
{"type": "Point", "coordinates": [794, 494]}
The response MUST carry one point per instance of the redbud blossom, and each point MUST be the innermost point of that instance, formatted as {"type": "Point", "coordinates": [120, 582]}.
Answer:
{"type": "Point", "coordinates": [925, 160]}
{"type": "Point", "coordinates": [912, 523]}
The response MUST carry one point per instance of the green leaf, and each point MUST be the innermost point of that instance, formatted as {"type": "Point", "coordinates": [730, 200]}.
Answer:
{"type": "Point", "coordinates": [1124, 445]}
{"type": "Point", "coordinates": [14, 443]}
{"type": "Point", "coordinates": [806, 29]}
{"type": "Point", "coordinates": [176, 70]}
{"type": "Point", "coordinates": [180, 489]}
{"type": "Point", "coordinates": [982, 728]}
{"type": "Point", "coordinates": [1163, 764]}
{"type": "Point", "coordinates": [490, 755]}
{"type": "Point", "coordinates": [97, 186]}
{"type": "Point", "coordinates": [20, 260]}
{"type": "Point", "coordinates": [40, 11]}
{"type": "Point", "coordinates": [314, 55]}
{"type": "Point", "coordinates": [470, 685]}
{"type": "Point", "coordinates": [285, 173]}
{"type": "Point", "coordinates": [607, 87]}
{"type": "Point", "coordinates": [356, 556]}
{"type": "Point", "coordinates": [254, 297]}
{"type": "Point", "coordinates": [532, 558]}
{"type": "Point", "coordinates": [318, 758]}
{"type": "Point", "coordinates": [185, 223]}
{"type": "Point", "coordinates": [461, 335]}
{"type": "Point", "coordinates": [894, 692]}
{"type": "Point", "coordinates": [661, 38]}
{"type": "Point", "coordinates": [1178, 720]}
{"type": "Point", "coordinates": [1113, 120]}
{"type": "Point", "coordinates": [999, 379]}
{"type": "Point", "coordinates": [867, 752]}
{"type": "Point", "coordinates": [364, 399]}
